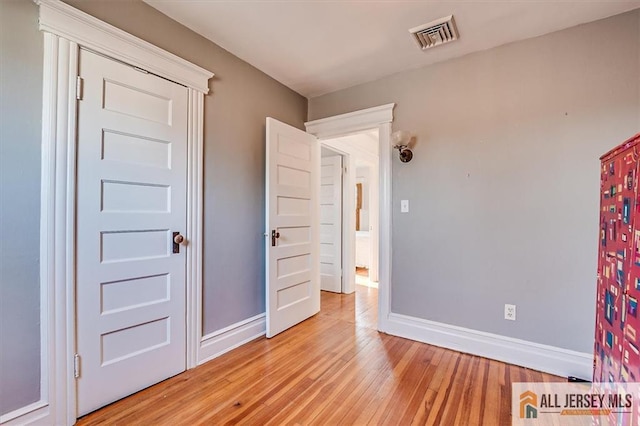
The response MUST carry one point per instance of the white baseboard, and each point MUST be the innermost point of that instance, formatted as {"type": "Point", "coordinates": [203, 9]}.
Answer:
{"type": "Point", "coordinates": [548, 359]}
{"type": "Point", "coordinates": [222, 341]}
{"type": "Point", "coordinates": [32, 414]}
{"type": "Point", "coordinates": [211, 346]}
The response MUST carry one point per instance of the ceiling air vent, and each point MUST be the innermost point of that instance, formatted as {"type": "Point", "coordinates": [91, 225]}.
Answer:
{"type": "Point", "coordinates": [435, 33]}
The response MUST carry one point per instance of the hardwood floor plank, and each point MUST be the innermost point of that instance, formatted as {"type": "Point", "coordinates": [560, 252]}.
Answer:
{"type": "Point", "coordinates": [284, 378]}
{"type": "Point", "coordinates": [505, 396]}
{"type": "Point", "coordinates": [445, 375]}
{"type": "Point", "coordinates": [329, 384]}
{"type": "Point", "coordinates": [410, 384]}
{"type": "Point", "coordinates": [378, 377]}
{"type": "Point", "coordinates": [380, 393]}
{"type": "Point", "coordinates": [478, 389]}
{"type": "Point", "coordinates": [436, 372]}
{"type": "Point", "coordinates": [463, 414]}
{"type": "Point", "coordinates": [332, 369]}
{"type": "Point", "coordinates": [357, 370]}
{"type": "Point", "coordinates": [446, 414]}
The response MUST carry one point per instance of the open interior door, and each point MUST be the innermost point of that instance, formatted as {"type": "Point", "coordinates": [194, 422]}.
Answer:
{"type": "Point", "coordinates": [292, 226]}
{"type": "Point", "coordinates": [331, 223]}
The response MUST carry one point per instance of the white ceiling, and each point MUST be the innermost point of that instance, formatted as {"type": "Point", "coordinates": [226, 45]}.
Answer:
{"type": "Point", "coordinates": [319, 46]}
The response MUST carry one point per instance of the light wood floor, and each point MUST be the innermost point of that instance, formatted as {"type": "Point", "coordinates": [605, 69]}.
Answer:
{"type": "Point", "coordinates": [333, 369]}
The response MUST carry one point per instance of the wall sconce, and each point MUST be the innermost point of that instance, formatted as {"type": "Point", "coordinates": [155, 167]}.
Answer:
{"type": "Point", "coordinates": [400, 140]}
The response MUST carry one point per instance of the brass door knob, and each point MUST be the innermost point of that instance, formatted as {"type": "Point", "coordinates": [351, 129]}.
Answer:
{"type": "Point", "coordinates": [179, 239]}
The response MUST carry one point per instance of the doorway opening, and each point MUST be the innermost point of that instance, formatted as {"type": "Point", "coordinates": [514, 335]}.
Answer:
{"type": "Point", "coordinates": [349, 229]}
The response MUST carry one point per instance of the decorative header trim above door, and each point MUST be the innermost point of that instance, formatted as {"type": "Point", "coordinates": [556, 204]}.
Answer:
{"type": "Point", "coordinates": [76, 26]}
{"type": "Point", "coordinates": [351, 122]}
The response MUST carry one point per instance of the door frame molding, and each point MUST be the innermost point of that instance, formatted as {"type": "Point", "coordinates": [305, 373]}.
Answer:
{"type": "Point", "coordinates": [66, 30]}
{"type": "Point", "coordinates": [380, 117]}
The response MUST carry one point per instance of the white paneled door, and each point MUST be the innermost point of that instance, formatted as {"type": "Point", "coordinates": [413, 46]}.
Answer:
{"type": "Point", "coordinates": [331, 224]}
{"type": "Point", "coordinates": [131, 199]}
{"type": "Point", "coordinates": [292, 245]}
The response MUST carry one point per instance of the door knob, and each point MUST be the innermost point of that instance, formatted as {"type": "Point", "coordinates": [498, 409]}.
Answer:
{"type": "Point", "coordinates": [274, 236]}
{"type": "Point", "coordinates": [178, 239]}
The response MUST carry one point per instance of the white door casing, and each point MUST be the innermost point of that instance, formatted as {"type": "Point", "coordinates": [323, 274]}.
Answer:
{"type": "Point", "coordinates": [374, 201]}
{"type": "Point", "coordinates": [331, 224]}
{"type": "Point", "coordinates": [292, 240]}
{"type": "Point", "coordinates": [131, 189]}
{"type": "Point", "coordinates": [379, 117]}
{"type": "Point", "coordinates": [66, 29]}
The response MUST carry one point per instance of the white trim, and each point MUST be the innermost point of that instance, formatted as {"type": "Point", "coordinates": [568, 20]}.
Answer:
{"type": "Point", "coordinates": [195, 194]}
{"type": "Point", "coordinates": [384, 225]}
{"type": "Point", "coordinates": [549, 359]}
{"type": "Point", "coordinates": [374, 202]}
{"type": "Point", "coordinates": [65, 30]}
{"type": "Point", "coordinates": [65, 314]}
{"type": "Point", "coordinates": [222, 341]}
{"type": "Point", "coordinates": [32, 414]}
{"type": "Point", "coordinates": [343, 124]}
{"type": "Point", "coordinates": [74, 25]}
{"type": "Point", "coordinates": [377, 117]}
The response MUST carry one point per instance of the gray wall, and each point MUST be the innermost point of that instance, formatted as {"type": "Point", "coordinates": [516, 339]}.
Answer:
{"type": "Point", "coordinates": [235, 111]}
{"type": "Point", "coordinates": [504, 182]}
{"type": "Point", "coordinates": [20, 124]}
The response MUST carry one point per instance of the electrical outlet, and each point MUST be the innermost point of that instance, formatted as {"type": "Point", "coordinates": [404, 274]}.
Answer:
{"type": "Point", "coordinates": [404, 206]}
{"type": "Point", "coordinates": [510, 312]}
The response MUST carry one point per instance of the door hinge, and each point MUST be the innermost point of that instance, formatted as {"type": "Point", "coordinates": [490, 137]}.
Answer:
{"type": "Point", "coordinates": [79, 87]}
{"type": "Point", "coordinates": [76, 366]}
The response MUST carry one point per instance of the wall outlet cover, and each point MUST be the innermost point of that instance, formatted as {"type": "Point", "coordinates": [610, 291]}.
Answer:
{"type": "Point", "coordinates": [510, 312]}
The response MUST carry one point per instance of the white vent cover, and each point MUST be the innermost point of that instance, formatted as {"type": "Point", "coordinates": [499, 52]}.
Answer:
{"type": "Point", "coordinates": [435, 33]}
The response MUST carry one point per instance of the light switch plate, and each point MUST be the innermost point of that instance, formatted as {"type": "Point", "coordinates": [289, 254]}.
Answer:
{"type": "Point", "coordinates": [404, 206]}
